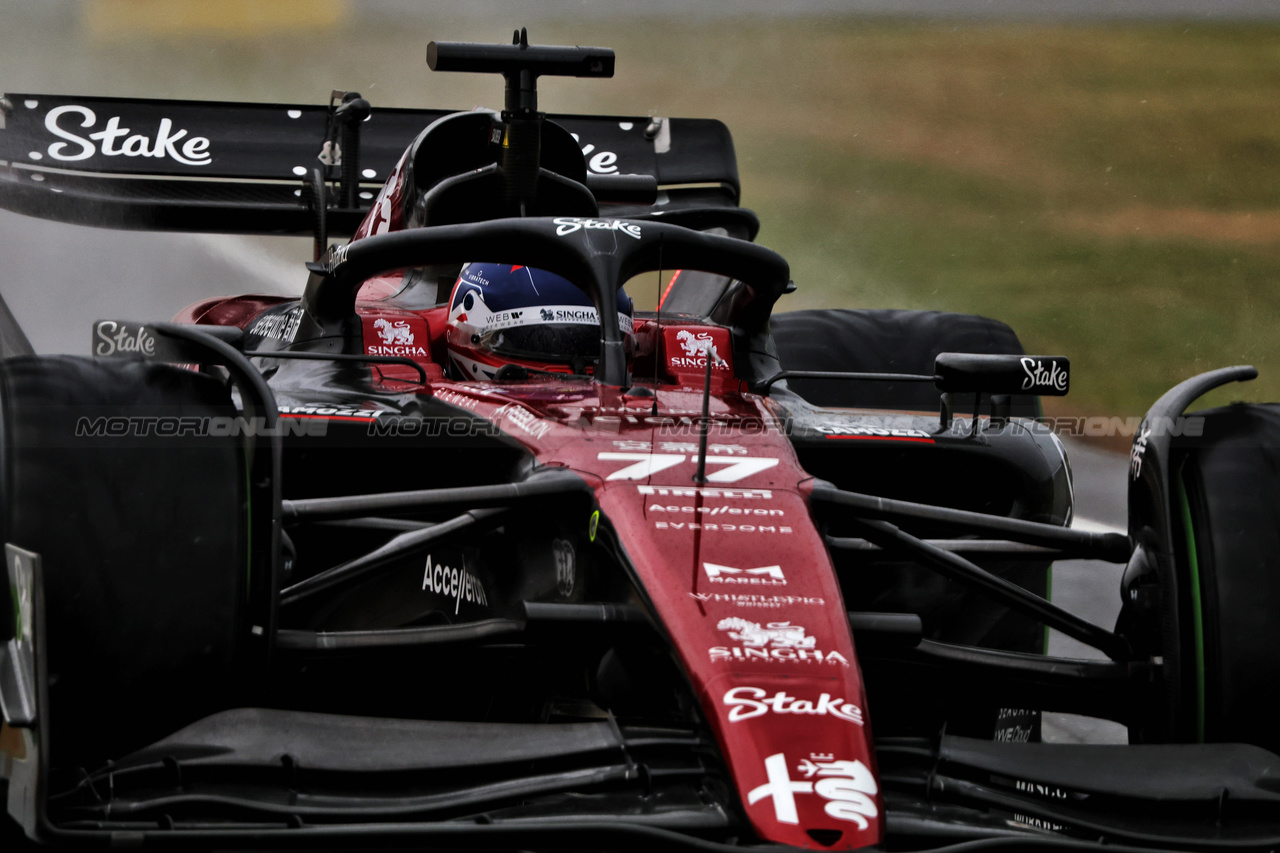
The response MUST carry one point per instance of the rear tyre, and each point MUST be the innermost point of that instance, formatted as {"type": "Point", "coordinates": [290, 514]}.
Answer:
{"type": "Point", "coordinates": [1226, 504]}
{"type": "Point", "coordinates": [140, 523]}
{"type": "Point", "coordinates": [899, 341]}
{"type": "Point", "coordinates": [887, 341]}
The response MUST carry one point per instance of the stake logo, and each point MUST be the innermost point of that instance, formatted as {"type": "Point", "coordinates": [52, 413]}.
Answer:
{"type": "Point", "coordinates": [745, 703]}
{"type": "Point", "coordinates": [1138, 451]}
{"type": "Point", "coordinates": [1038, 376]}
{"type": "Point", "coordinates": [114, 338]}
{"type": "Point", "coordinates": [601, 162]}
{"type": "Point", "coordinates": [194, 151]}
{"type": "Point", "coordinates": [848, 787]}
{"type": "Point", "coordinates": [571, 225]}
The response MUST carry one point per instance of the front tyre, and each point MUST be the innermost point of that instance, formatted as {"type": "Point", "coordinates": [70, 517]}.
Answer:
{"type": "Point", "coordinates": [119, 475]}
{"type": "Point", "coordinates": [1225, 493]}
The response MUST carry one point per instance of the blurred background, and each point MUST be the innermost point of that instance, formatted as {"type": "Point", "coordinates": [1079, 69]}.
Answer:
{"type": "Point", "coordinates": [1104, 177]}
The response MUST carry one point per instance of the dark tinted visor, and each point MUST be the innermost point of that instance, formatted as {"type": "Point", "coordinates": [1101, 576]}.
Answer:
{"type": "Point", "coordinates": [545, 342]}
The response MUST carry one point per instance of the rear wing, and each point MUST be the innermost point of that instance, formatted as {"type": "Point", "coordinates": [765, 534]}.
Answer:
{"type": "Point", "coordinates": [251, 168]}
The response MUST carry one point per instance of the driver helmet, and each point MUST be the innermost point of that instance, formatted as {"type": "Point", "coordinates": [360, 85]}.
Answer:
{"type": "Point", "coordinates": [503, 314]}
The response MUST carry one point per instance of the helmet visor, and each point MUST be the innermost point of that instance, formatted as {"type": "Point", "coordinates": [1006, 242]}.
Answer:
{"type": "Point", "coordinates": [559, 342]}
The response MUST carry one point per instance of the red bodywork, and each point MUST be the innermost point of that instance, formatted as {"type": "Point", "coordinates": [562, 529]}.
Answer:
{"type": "Point", "coordinates": [733, 568]}
{"type": "Point", "coordinates": [739, 576]}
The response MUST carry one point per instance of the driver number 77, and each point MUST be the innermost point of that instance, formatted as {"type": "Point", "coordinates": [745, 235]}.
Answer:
{"type": "Point", "coordinates": [644, 465]}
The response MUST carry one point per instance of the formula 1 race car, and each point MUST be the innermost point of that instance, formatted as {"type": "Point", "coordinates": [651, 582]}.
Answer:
{"type": "Point", "coordinates": [460, 551]}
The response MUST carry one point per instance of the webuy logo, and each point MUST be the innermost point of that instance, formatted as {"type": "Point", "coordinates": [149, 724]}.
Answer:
{"type": "Point", "coordinates": [194, 150]}
{"type": "Point", "coordinates": [745, 703]}
{"type": "Point", "coordinates": [848, 787]}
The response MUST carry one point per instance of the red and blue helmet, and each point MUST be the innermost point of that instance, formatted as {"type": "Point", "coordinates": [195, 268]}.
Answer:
{"type": "Point", "coordinates": [503, 314]}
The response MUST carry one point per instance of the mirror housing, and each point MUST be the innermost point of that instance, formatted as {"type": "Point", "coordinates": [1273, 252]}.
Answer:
{"type": "Point", "coordinates": [1045, 375]}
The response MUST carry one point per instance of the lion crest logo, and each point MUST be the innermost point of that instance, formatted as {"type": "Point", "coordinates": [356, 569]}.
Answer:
{"type": "Point", "coordinates": [776, 635]}
{"type": "Point", "coordinates": [397, 333]}
{"type": "Point", "coordinates": [692, 345]}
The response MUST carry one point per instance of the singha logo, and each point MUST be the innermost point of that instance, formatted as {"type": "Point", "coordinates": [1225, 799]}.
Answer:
{"type": "Point", "coordinates": [547, 316]}
{"type": "Point", "coordinates": [776, 635]}
{"type": "Point", "coordinates": [692, 345]}
{"type": "Point", "coordinates": [397, 333]}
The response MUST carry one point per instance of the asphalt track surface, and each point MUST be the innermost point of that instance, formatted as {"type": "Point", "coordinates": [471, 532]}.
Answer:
{"type": "Point", "coordinates": [58, 279]}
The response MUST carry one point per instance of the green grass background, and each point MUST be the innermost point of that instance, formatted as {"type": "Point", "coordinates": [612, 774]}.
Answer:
{"type": "Point", "coordinates": [1111, 191]}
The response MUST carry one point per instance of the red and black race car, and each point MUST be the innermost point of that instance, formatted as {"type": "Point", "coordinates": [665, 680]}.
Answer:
{"type": "Point", "coordinates": [372, 569]}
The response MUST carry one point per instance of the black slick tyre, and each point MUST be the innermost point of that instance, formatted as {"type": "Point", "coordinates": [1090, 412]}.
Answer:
{"type": "Point", "coordinates": [903, 341]}
{"type": "Point", "coordinates": [140, 526]}
{"type": "Point", "coordinates": [1226, 505]}
{"type": "Point", "coordinates": [887, 341]}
